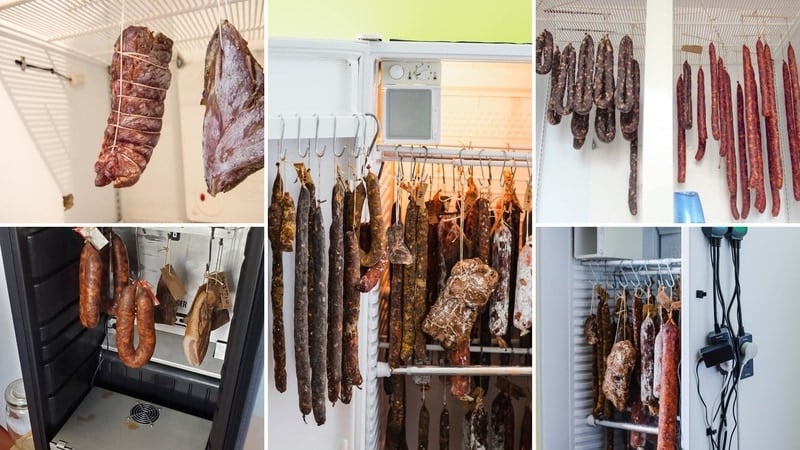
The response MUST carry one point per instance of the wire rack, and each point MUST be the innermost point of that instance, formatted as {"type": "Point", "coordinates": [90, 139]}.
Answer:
{"type": "Point", "coordinates": [90, 27]}
{"type": "Point", "coordinates": [569, 20]}
{"type": "Point", "coordinates": [729, 24]}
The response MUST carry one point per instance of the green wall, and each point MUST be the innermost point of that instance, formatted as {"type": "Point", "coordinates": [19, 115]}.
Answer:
{"type": "Point", "coordinates": [432, 20]}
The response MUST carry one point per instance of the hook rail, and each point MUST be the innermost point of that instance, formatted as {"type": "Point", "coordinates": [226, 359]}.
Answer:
{"type": "Point", "coordinates": [475, 157]}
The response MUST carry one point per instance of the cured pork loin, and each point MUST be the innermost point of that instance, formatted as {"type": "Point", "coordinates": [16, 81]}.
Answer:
{"type": "Point", "coordinates": [140, 78]}
{"type": "Point", "coordinates": [233, 128]}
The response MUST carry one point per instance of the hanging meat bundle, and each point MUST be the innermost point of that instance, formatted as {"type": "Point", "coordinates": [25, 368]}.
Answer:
{"type": "Point", "coordinates": [233, 128]}
{"type": "Point", "coordinates": [140, 78]}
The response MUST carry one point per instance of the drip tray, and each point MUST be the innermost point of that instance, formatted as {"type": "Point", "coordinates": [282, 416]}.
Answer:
{"type": "Point", "coordinates": [107, 419]}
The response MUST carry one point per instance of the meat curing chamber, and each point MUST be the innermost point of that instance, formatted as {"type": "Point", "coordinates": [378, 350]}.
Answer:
{"type": "Point", "coordinates": [59, 74]}
{"type": "Point", "coordinates": [425, 125]}
{"type": "Point", "coordinates": [603, 141]}
{"type": "Point", "coordinates": [186, 378]}
{"type": "Point", "coordinates": [750, 169]}
{"type": "Point", "coordinates": [605, 298]}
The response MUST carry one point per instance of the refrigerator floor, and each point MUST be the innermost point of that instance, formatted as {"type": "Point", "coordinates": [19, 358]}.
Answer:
{"type": "Point", "coordinates": [103, 420]}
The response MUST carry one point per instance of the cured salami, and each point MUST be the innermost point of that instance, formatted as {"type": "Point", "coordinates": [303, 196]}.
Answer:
{"type": "Point", "coordinates": [301, 351]}
{"type": "Point", "coordinates": [702, 131]}
{"type": "Point", "coordinates": [498, 302]}
{"type": "Point", "coordinates": [584, 94]}
{"type": "Point", "coordinates": [670, 385]}
{"type": "Point", "coordinates": [544, 52]}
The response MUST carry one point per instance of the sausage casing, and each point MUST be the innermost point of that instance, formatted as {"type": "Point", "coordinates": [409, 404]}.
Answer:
{"type": "Point", "coordinates": [681, 131]}
{"type": "Point", "coordinates": [335, 292]}
{"type": "Point", "coordinates": [301, 350]}
{"type": "Point", "coordinates": [145, 326]}
{"type": "Point", "coordinates": [743, 170]}
{"type": "Point", "coordinates": [670, 388]}
{"type": "Point", "coordinates": [90, 271]}
{"type": "Point", "coordinates": [702, 131]}
{"type": "Point", "coordinates": [376, 223]}
{"type": "Point", "coordinates": [351, 375]}
{"type": "Point", "coordinates": [544, 52]}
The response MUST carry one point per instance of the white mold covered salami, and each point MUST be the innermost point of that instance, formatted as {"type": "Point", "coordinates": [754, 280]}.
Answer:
{"type": "Point", "coordinates": [523, 306]}
{"type": "Point", "coordinates": [498, 302]}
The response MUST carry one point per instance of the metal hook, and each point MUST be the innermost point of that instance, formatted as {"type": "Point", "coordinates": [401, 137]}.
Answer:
{"type": "Point", "coordinates": [355, 136]}
{"type": "Point", "coordinates": [622, 276]}
{"type": "Point", "coordinates": [344, 147]}
{"type": "Point", "coordinates": [281, 151]}
{"type": "Point", "coordinates": [424, 162]}
{"type": "Point", "coordinates": [316, 139]}
{"type": "Point", "coordinates": [503, 169]}
{"type": "Point", "coordinates": [594, 274]}
{"type": "Point", "coordinates": [480, 163]}
{"type": "Point", "coordinates": [634, 273]}
{"type": "Point", "coordinates": [401, 172]}
{"type": "Point", "coordinates": [299, 127]}
{"type": "Point", "coordinates": [375, 136]}
{"type": "Point", "coordinates": [671, 282]}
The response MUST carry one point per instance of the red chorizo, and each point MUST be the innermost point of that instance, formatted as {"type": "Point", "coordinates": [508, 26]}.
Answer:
{"type": "Point", "coordinates": [681, 131]}
{"type": "Point", "coordinates": [90, 271]}
{"type": "Point", "coordinates": [753, 126]}
{"type": "Point", "coordinates": [702, 132]}
{"type": "Point", "coordinates": [712, 53]}
{"type": "Point", "coordinates": [120, 266]}
{"type": "Point", "coordinates": [726, 111]}
{"type": "Point", "coordinates": [795, 83]}
{"type": "Point", "coordinates": [774, 161]}
{"type": "Point", "coordinates": [670, 388]}
{"type": "Point", "coordinates": [145, 326]}
{"type": "Point", "coordinates": [721, 108]}
{"type": "Point", "coordinates": [791, 127]}
{"type": "Point", "coordinates": [745, 191]}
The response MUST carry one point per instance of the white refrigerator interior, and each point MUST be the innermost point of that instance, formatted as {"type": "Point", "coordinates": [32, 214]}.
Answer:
{"type": "Point", "coordinates": [592, 184]}
{"type": "Point", "coordinates": [564, 292]}
{"type": "Point", "coordinates": [54, 125]}
{"type": "Point", "coordinates": [322, 96]}
{"type": "Point", "coordinates": [766, 412]}
{"type": "Point", "coordinates": [730, 26]}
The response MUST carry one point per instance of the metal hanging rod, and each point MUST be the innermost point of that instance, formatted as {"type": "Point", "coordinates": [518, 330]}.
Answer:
{"type": "Point", "coordinates": [383, 370]}
{"type": "Point", "coordinates": [626, 263]}
{"type": "Point", "coordinates": [621, 425]}
{"type": "Point", "coordinates": [473, 157]}
{"type": "Point", "coordinates": [476, 349]}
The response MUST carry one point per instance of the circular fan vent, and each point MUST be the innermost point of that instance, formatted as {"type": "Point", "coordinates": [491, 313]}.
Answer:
{"type": "Point", "coordinates": [144, 413]}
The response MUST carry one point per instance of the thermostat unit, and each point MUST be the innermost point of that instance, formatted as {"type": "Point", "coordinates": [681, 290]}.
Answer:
{"type": "Point", "coordinates": [411, 101]}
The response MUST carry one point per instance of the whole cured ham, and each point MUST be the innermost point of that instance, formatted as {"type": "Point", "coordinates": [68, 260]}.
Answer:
{"type": "Point", "coordinates": [140, 78]}
{"type": "Point", "coordinates": [233, 128]}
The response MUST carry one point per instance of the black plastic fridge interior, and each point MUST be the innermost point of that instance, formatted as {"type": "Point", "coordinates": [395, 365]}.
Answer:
{"type": "Point", "coordinates": [59, 357]}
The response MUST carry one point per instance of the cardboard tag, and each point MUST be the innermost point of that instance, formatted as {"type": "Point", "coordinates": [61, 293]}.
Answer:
{"type": "Point", "coordinates": [219, 282]}
{"type": "Point", "coordinates": [528, 205]}
{"type": "Point", "coordinates": [93, 235]}
{"type": "Point", "coordinates": [419, 194]}
{"type": "Point", "coordinates": [174, 284]}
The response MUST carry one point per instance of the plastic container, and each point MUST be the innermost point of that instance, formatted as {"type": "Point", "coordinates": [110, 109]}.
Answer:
{"type": "Point", "coordinates": [19, 421]}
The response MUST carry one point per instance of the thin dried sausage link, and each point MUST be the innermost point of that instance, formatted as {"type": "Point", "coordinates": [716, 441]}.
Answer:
{"type": "Point", "coordinates": [670, 388]}
{"type": "Point", "coordinates": [301, 350]}
{"type": "Point", "coordinates": [544, 52]}
{"type": "Point", "coordinates": [702, 131]}
{"type": "Point", "coordinates": [554, 118]}
{"type": "Point", "coordinates": [623, 94]}
{"type": "Point", "coordinates": [376, 223]}
{"type": "Point", "coordinates": [444, 429]}
{"type": "Point", "coordinates": [351, 375]}
{"type": "Point", "coordinates": [565, 85]}
{"type": "Point", "coordinates": [687, 95]}
{"type": "Point", "coordinates": [420, 281]}
{"type": "Point", "coordinates": [629, 122]}
{"type": "Point", "coordinates": [580, 127]}
{"type": "Point", "coordinates": [604, 74]}
{"type": "Point", "coordinates": [274, 214]}
{"type": "Point", "coordinates": [335, 292]}
{"type": "Point", "coordinates": [774, 161]}
{"type": "Point", "coordinates": [745, 191]}
{"type": "Point", "coordinates": [753, 126]}
{"type": "Point", "coordinates": [681, 131]}
{"type": "Point", "coordinates": [791, 127]}
{"type": "Point", "coordinates": [90, 271]}
{"type": "Point", "coordinates": [409, 283]}
{"type": "Point", "coordinates": [730, 159]}
{"type": "Point", "coordinates": [712, 53]}
{"type": "Point", "coordinates": [318, 312]}
{"type": "Point", "coordinates": [584, 94]}
{"type": "Point", "coordinates": [423, 427]}
{"type": "Point", "coordinates": [633, 177]}
{"type": "Point", "coordinates": [796, 136]}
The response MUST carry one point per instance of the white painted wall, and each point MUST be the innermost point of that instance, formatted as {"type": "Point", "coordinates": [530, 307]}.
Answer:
{"type": "Point", "coordinates": [767, 401]}
{"type": "Point", "coordinates": [10, 368]}
{"type": "Point", "coordinates": [553, 262]}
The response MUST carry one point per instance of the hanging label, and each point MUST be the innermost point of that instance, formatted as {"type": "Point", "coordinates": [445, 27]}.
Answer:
{"type": "Point", "coordinates": [93, 235]}
{"type": "Point", "coordinates": [219, 282]}
{"type": "Point", "coordinates": [528, 198]}
{"type": "Point", "coordinates": [173, 282]}
{"type": "Point", "coordinates": [419, 194]}
{"type": "Point", "coordinates": [300, 168]}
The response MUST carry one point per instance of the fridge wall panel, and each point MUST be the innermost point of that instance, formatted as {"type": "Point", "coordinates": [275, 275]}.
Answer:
{"type": "Point", "coordinates": [769, 313]}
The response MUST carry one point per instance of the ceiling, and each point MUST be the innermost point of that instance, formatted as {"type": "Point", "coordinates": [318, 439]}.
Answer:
{"type": "Point", "coordinates": [90, 27]}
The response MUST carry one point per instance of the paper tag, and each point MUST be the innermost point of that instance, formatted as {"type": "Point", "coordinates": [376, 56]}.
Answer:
{"type": "Point", "coordinates": [219, 282]}
{"type": "Point", "coordinates": [419, 194]}
{"type": "Point", "coordinates": [528, 205]}
{"type": "Point", "coordinates": [174, 284]}
{"type": "Point", "coordinates": [93, 235]}
{"type": "Point", "coordinates": [301, 171]}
